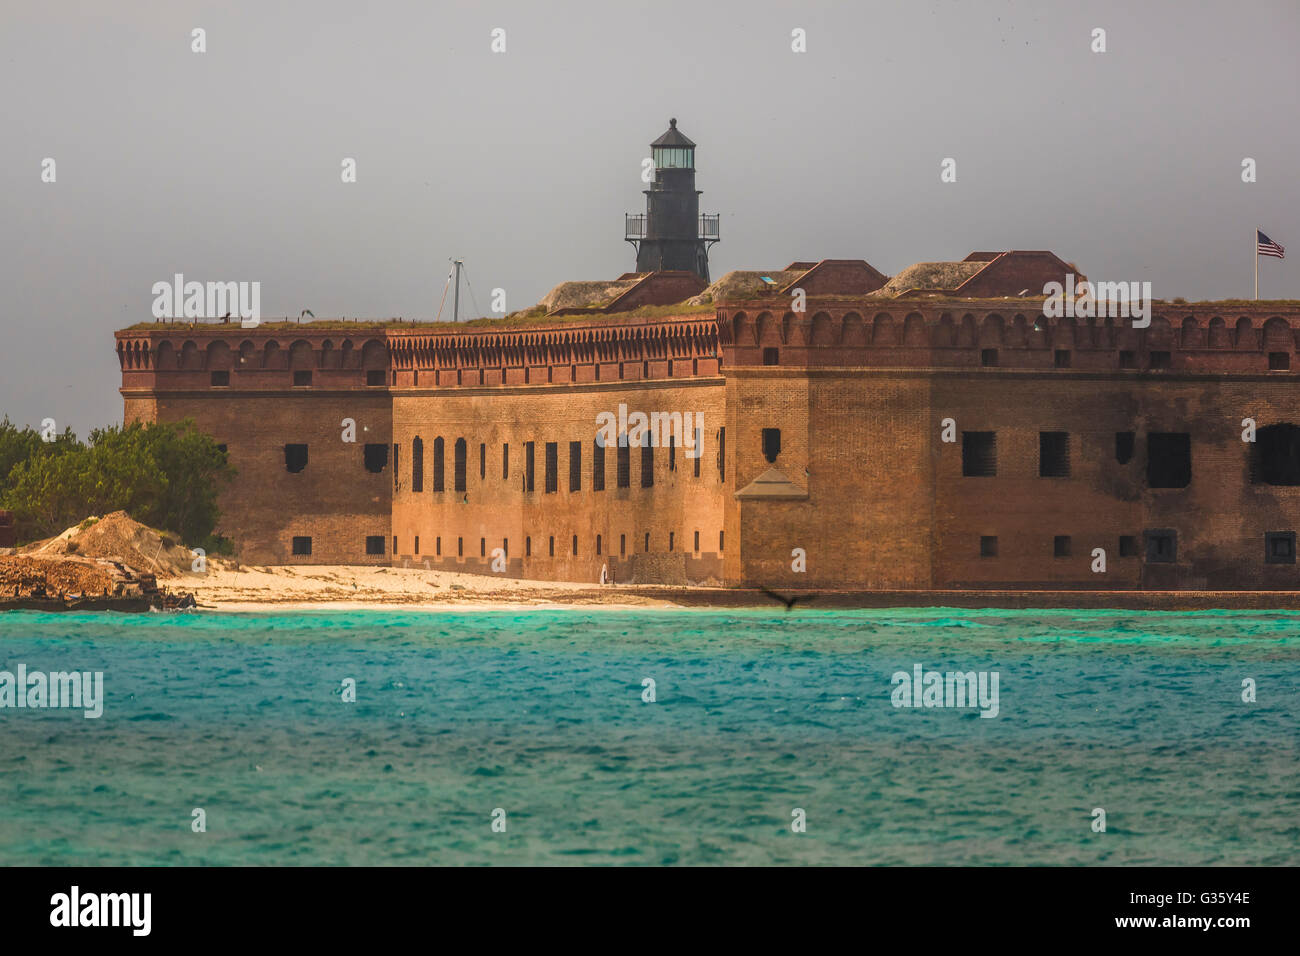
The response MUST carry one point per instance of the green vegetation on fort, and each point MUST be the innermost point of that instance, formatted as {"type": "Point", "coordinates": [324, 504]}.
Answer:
{"type": "Point", "coordinates": [166, 476]}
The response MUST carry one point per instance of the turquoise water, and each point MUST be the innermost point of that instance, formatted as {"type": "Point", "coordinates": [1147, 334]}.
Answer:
{"type": "Point", "coordinates": [757, 713]}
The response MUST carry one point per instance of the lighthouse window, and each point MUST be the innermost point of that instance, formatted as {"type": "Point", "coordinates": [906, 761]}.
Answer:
{"type": "Point", "coordinates": [666, 157]}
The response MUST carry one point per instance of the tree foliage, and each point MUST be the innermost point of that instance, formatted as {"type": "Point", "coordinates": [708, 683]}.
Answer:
{"type": "Point", "coordinates": [167, 476]}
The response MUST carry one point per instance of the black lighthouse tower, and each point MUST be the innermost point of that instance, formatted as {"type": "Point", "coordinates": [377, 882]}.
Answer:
{"type": "Point", "coordinates": [672, 234]}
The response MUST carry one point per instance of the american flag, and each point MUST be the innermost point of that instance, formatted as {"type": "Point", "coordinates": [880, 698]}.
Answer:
{"type": "Point", "coordinates": [1267, 247]}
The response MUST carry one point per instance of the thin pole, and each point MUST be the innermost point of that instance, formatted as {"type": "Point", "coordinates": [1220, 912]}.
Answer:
{"type": "Point", "coordinates": [456, 302]}
{"type": "Point", "coordinates": [1255, 245]}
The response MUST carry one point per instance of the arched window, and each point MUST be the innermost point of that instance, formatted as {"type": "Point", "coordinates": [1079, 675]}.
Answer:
{"type": "Point", "coordinates": [460, 464]}
{"type": "Point", "coordinates": [437, 465]}
{"type": "Point", "coordinates": [417, 464]}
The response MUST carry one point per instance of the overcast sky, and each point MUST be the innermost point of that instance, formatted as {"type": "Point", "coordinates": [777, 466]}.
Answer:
{"type": "Point", "coordinates": [225, 165]}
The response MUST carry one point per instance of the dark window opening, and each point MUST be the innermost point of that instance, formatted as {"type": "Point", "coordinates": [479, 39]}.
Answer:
{"type": "Point", "coordinates": [771, 443]}
{"type": "Point", "coordinates": [1160, 359]}
{"type": "Point", "coordinates": [1275, 455]}
{"type": "Point", "coordinates": [722, 454]}
{"type": "Point", "coordinates": [647, 466]}
{"type": "Point", "coordinates": [528, 546]}
{"type": "Point", "coordinates": [295, 458]}
{"type": "Point", "coordinates": [672, 535]}
{"type": "Point", "coordinates": [672, 452]}
{"type": "Point", "coordinates": [989, 358]}
{"type": "Point", "coordinates": [1124, 442]}
{"type": "Point", "coordinates": [375, 457]}
{"type": "Point", "coordinates": [647, 541]}
{"type": "Point", "coordinates": [697, 541]}
{"type": "Point", "coordinates": [417, 544]}
{"type": "Point", "coordinates": [1169, 459]}
{"type": "Point", "coordinates": [1128, 359]}
{"type": "Point", "coordinates": [552, 545]}
{"type": "Point", "coordinates": [505, 461]}
{"type": "Point", "coordinates": [395, 446]}
{"type": "Point", "coordinates": [1277, 362]}
{"type": "Point", "coordinates": [394, 544]}
{"type": "Point", "coordinates": [460, 547]}
{"type": "Point", "coordinates": [597, 466]}
{"type": "Point", "coordinates": [771, 356]}
{"type": "Point", "coordinates": [552, 466]}
{"type": "Point", "coordinates": [302, 377]}
{"type": "Point", "coordinates": [1162, 546]}
{"type": "Point", "coordinates": [1062, 358]}
{"type": "Point", "coordinates": [1061, 546]}
{"type": "Point", "coordinates": [720, 539]}
{"type": "Point", "coordinates": [624, 466]}
{"type": "Point", "coordinates": [988, 546]}
{"type": "Point", "coordinates": [530, 462]}
{"type": "Point", "coordinates": [575, 545]}
{"type": "Point", "coordinates": [482, 547]}
{"type": "Point", "coordinates": [1279, 547]}
{"type": "Point", "coordinates": [374, 544]}
{"type": "Point", "coordinates": [1054, 454]}
{"type": "Point", "coordinates": [417, 464]}
{"type": "Point", "coordinates": [437, 546]}
{"type": "Point", "coordinates": [622, 544]}
{"type": "Point", "coordinates": [575, 466]}
{"type": "Point", "coordinates": [1128, 546]}
{"type": "Point", "coordinates": [375, 377]}
{"type": "Point", "coordinates": [598, 545]}
{"type": "Point", "coordinates": [439, 465]}
{"type": "Point", "coordinates": [222, 379]}
{"type": "Point", "coordinates": [698, 450]}
{"type": "Point", "coordinates": [302, 546]}
{"type": "Point", "coordinates": [482, 461]}
{"type": "Point", "coordinates": [979, 454]}
{"type": "Point", "coordinates": [461, 450]}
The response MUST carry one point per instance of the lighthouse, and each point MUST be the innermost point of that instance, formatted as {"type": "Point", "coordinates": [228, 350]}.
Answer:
{"type": "Point", "coordinates": [671, 233]}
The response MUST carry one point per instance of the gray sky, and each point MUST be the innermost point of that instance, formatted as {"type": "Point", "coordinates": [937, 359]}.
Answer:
{"type": "Point", "coordinates": [226, 165]}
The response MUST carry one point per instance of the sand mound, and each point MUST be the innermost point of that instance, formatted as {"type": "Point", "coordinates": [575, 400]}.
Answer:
{"type": "Point", "coordinates": [119, 537]}
{"type": "Point", "coordinates": [742, 284]}
{"type": "Point", "coordinates": [582, 295]}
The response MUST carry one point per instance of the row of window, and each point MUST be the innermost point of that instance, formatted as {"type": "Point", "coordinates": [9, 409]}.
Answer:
{"type": "Point", "coordinates": [1061, 358]}
{"type": "Point", "coordinates": [1161, 546]}
{"type": "Point", "coordinates": [301, 545]}
{"type": "Point", "coordinates": [1169, 456]}
{"type": "Point", "coordinates": [302, 378]}
{"type": "Point", "coordinates": [551, 464]}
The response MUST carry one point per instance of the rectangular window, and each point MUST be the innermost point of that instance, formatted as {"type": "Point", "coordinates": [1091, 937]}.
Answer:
{"type": "Point", "coordinates": [1160, 359]}
{"type": "Point", "coordinates": [722, 454]}
{"type": "Point", "coordinates": [624, 466]}
{"type": "Point", "coordinates": [1061, 546]}
{"type": "Point", "coordinates": [302, 546]}
{"type": "Point", "coordinates": [1128, 546]}
{"type": "Point", "coordinates": [482, 461]}
{"type": "Point", "coordinates": [505, 547]}
{"type": "Point", "coordinates": [622, 544]}
{"type": "Point", "coordinates": [552, 545]}
{"type": "Point", "coordinates": [439, 464]}
{"type": "Point", "coordinates": [1128, 359]}
{"type": "Point", "coordinates": [461, 449]}
{"type": "Point", "coordinates": [302, 377]}
{"type": "Point", "coordinates": [1162, 546]}
{"type": "Point", "coordinates": [988, 546]}
{"type": "Point", "coordinates": [1277, 362]}
{"type": "Point", "coordinates": [1279, 547]}
{"type": "Point", "coordinates": [375, 544]}
{"type": "Point", "coordinates": [771, 356]}
{"type": "Point", "coordinates": [505, 462]}
{"type": "Point", "coordinates": [598, 545]}
{"type": "Point", "coordinates": [460, 547]}
{"type": "Point", "coordinates": [394, 544]}
{"type": "Point", "coordinates": [698, 451]}
{"type": "Point", "coordinates": [647, 466]}
{"type": "Point", "coordinates": [1124, 447]}
{"type": "Point", "coordinates": [552, 466]}
{"type": "Point", "coordinates": [417, 544]}
{"type": "Point", "coordinates": [530, 472]}
{"type": "Point", "coordinates": [697, 541]}
{"type": "Point", "coordinates": [437, 546]}
{"type": "Point", "coordinates": [375, 458]}
{"type": "Point", "coordinates": [222, 379]}
{"type": "Point", "coordinates": [295, 458]}
{"type": "Point", "coordinates": [720, 539]}
{"type": "Point", "coordinates": [395, 446]}
{"type": "Point", "coordinates": [647, 541]}
{"type": "Point", "coordinates": [575, 545]}
{"type": "Point", "coordinates": [771, 444]}
{"type": "Point", "coordinates": [575, 466]}
{"type": "Point", "coordinates": [482, 547]}
{"type": "Point", "coordinates": [671, 537]}
{"type": "Point", "coordinates": [1053, 454]}
{"type": "Point", "coordinates": [979, 454]}
{"type": "Point", "coordinates": [1062, 358]}
{"type": "Point", "coordinates": [989, 358]}
{"type": "Point", "coordinates": [597, 467]}
{"type": "Point", "coordinates": [375, 377]}
{"type": "Point", "coordinates": [1169, 459]}
{"type": "Point", "coordinates": [528, 546]}
{"type": "Point", "coordinates": [672, 452]}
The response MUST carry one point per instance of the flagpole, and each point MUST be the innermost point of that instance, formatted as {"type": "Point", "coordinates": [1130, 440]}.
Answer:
{"type": "Point", "coordinates": [1256, 263]}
